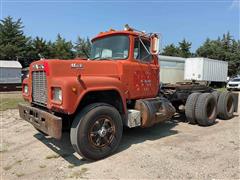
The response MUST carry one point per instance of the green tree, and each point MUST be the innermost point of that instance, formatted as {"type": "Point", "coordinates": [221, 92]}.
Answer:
{"type": "Point", "coordinates": [225, 48]}
{"type": "Point", "coordinates": [83, 47]}
{"type": "Point", "coordinates": [38, 48]}
{"type": "Point", "coordinates": [184, 48]}
{"type": "Point", "coordinates": [62, 49]}
{"type": "Point", "coordinates": [171, 50]}
{"type": "Point", "coordinates": [13, 42]}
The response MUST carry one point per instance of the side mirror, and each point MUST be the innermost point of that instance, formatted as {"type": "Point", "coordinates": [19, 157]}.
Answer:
{"type": "Point", "coordinates": [154, 45]}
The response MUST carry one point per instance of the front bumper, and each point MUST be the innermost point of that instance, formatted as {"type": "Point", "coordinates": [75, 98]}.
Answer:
{"type": "Point", "coordinates": [42, 120]}
{"type": "Point", "coordinates": [233, 87]}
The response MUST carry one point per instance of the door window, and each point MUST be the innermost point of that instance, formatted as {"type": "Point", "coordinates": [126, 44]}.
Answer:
{"type": "Point", "coordinates": [142, 50]}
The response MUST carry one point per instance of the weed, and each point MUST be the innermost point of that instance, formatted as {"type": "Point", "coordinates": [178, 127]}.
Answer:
{"type": "Point", "coordinates": [42, 166]}
{"type": "Point", "coordinates": [18, 161]}
{"type": "Point", "coordinates": [20, 174]}
{"type": "Point", "coordinates": [6, 168]}
{"type": "Point", "coordinates": [221, 89]}
{"type": "Point", "coordinates": [10, 166]}
{"type": "Point", "coordinates": [83, 170]}
{"type": "Point", "coordinates": [79, 174]}
{"type": "Point", "coordinates": [52, 156]}
{"type": "Point", "coordinates": [3, 147]}
{"type": "Point", "coordinates": [71, 166]}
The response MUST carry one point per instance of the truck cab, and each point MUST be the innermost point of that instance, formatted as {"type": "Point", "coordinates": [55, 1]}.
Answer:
{"type": "Point", "coordinates": [120, 62]}
{"type": "Point", "coordinates": [122, 68]}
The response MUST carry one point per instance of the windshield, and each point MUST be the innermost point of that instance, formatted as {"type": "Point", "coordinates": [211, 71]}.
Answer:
{"type": "Point", "coordinates": [112, 47]}
{"type": "Point", "coordinates": [236, 80]}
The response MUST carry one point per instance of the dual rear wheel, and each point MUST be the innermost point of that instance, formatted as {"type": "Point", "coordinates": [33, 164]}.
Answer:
{"type": "Point", "coordinates": [203, 108]}
{"type": "Point", "coordinates": [225, 105]}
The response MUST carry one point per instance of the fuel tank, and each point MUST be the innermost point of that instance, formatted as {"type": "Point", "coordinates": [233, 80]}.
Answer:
{"type": "Point", "coordinates": [154, 110]}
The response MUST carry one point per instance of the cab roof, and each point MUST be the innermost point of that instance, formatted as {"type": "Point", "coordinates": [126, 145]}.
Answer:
{"type": "Point", "coordinates": [113, 32]}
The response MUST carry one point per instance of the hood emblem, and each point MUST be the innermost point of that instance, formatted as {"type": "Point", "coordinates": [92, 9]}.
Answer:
{"type": "Point", "coordinates": [38, 66]}
{"type": "Point", "coordinates": [75, 65]}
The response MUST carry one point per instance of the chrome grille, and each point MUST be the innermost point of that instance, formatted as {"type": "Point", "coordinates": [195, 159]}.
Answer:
{"type": "Point", "coordinates": [39, 87]}
{"type": "Point", "coordinates": [233, 85]}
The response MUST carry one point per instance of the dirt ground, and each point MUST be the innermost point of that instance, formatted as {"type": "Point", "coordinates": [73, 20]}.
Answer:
{"type": "Point", "coordinates": [170, 150]}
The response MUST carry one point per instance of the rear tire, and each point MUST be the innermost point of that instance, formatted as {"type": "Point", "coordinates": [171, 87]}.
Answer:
{"type": "Point", "coordinates": [96, 132]}
{"type": "Point", "coordinates": [190, 107]}
{"type": "Point", "coordinates": [225, 105]}
{"type": "Point", "coordinates": [206, 109]}
{"type": "Point", "coordinates": [216, 94]}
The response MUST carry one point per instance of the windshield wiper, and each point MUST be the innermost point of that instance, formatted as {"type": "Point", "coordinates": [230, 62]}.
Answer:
{"type": "Point", "coordinates": [95, 58]}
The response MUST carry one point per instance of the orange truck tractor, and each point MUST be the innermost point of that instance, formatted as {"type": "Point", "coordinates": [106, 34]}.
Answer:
{"type": "Point", "coordinates": [118, 85]}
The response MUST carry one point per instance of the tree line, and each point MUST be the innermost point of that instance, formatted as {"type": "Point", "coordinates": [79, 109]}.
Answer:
{"type": "Point", "coordinates": [14, 44]}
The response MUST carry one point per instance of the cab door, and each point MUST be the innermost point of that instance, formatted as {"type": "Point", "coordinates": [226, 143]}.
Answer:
{"type": "Point", "coordinates": [143, 80]}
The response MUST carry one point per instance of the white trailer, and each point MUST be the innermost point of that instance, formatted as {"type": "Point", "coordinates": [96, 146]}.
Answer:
{"type": "Point", "coordinates": [171, 69]}
{"type": "Point", "coordinates": [204, 69]}
{"type": "Point", "coordinates": [10, 72]}
{"type": "Point", "coordinates": [10, 75]}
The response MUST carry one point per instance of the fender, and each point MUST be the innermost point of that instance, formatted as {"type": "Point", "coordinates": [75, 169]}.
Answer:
{"type": "Point", "coordinates": [74, 89]}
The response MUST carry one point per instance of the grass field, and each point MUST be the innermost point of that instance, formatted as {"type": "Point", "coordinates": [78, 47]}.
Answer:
{"type": "Point", "coordinates": [10, 100]}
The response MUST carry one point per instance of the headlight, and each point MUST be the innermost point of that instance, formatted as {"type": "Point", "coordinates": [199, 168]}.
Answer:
{"type": "Point", "coordinates": [25, 89]}
{"type": "Point", "coordinates": [57, 94]}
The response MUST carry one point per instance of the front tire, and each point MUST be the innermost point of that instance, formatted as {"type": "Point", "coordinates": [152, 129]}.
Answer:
{"type": "Point", "coordinates": [96, 132]}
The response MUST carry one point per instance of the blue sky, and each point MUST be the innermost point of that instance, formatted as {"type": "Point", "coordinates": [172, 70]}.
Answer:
{"type": "Point", "coordinates": [194, 20]}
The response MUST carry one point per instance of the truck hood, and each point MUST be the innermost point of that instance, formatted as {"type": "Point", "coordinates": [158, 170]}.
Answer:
{"type": "Point", "coordinates": [58, 68]}
{"type": "Point", "coordinates": [234, 82]}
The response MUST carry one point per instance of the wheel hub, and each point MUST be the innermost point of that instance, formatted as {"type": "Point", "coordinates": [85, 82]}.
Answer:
{"type": "Point", "coordinates": [102, 132]}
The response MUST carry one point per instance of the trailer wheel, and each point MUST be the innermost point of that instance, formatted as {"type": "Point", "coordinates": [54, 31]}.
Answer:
{"type": "Point", "coordinates": [225, 105]}
{"type": "Point", "coordinates": [206, 109]}
{"type": "Point", "coordinates": [216, 94]}
{"type": "Point", "coordinates": [190, 107]}
{"type": "Point", "coordinates": [96, 131]}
